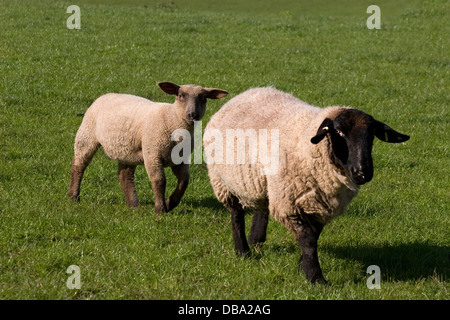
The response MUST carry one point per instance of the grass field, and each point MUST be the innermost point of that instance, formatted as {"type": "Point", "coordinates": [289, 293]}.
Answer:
{"type": "Point", "coordinates": [320, 51]}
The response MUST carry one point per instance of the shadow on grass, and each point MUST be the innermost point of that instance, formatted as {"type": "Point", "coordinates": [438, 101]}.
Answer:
{"type": "Point", "coordinates": [207, 202]}
{"type": "Point", "coordinates": [409, 261]}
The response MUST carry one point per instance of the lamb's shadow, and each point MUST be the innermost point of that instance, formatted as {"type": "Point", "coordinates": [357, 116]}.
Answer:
{"type": "Point", "coordinates": [409, 261]}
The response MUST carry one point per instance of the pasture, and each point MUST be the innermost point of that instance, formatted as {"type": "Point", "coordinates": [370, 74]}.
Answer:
{"type": "Point", "coordinates": [320, 51]}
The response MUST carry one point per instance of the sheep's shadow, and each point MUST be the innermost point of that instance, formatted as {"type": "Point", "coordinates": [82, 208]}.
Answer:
{"type": "Point", "coordinates": [409, 261]}
{"type": "Point", "coordinates": [206, 202]}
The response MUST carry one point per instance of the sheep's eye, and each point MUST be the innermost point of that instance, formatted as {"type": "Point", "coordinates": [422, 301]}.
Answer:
{"type": "Point", "coordinates": [340, 132]}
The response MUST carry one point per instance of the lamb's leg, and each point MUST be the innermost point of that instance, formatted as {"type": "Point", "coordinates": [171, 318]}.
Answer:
{"type": "Point", "coordinates": [159, 190]}
{"type": "Point", "coordinates": [126, 178]}
{"type": "Point", "coordinates": [158, 179]}
{"type": "Point", "coordinates": [81, 159]}
{"type": "Point", "coordinates": [76, 175]}
{"type": "Point", "coordinates": [238, 225]}
{"type": "Point", "coordinates": [307, 234]}
{"type": "Point", "coordinates": [259, 227]}
{"type": "Point", "coordinates": [182, 173]}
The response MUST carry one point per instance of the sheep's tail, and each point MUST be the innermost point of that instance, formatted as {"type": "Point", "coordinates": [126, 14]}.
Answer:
{"type": "Point", "coordinates": [80, 114]}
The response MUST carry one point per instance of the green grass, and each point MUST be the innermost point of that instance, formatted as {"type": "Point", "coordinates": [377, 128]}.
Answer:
{"type": "Point", "coordinates": [321, 51]}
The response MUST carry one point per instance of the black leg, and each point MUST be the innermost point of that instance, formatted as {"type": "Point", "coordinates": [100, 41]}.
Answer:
{"type": "Point", "coordinates": [309, 261]}
{"type": "Point", "coordinates": [306, 232]}
{"type": "Point", "coordinates": [259, 227]}
{"type": "Point", "coordinates": [238, 225]}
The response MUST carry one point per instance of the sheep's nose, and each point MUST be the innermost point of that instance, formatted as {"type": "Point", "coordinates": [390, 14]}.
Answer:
{"type": "Point", "coordinates": [361, 174]}
{"type": "Point", "coordinates": [192, 116]}
{"type": "Point", "coordinates": [358, 172]}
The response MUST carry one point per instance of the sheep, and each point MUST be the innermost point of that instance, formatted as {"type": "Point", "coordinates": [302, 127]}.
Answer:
{"type": "Point", "coordinates": [133, 130]}
{"type": "Point", "coordinates": [324, 157]}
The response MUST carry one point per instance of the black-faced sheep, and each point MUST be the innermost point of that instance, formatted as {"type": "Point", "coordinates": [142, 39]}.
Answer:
{"type": "Point", "coordinates": [134, 130]}
{"type": "Point", "coordinates": [324, 156]}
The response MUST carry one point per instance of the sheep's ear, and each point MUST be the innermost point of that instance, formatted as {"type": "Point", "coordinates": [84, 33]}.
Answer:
{"type": "Point", "coordinates": [215, 93]}
{"type": "Point", "coordinates": [387, 134]}
{"type": "Point", "coordinates": [169, 87]}
{"type": "Point", "coordinates": [325, 127]}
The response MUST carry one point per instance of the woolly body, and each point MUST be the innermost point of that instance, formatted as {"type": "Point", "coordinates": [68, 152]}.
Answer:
{"type": "Point", "coordinates": [133, 131]}
{"type": "Point", "coordinates": [127, 126]}
{"type": "Point", "coordinates": [307, 184]}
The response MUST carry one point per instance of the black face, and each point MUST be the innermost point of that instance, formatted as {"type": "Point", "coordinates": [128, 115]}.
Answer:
{"type": "Point", "coordinates": [352, 141]}
{"type": "Point", "coordinates": [352, 133]}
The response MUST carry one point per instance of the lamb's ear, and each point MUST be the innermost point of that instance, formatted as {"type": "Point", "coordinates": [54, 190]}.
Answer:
{"type": "Point", "coordinates": [169, 87]}
{"type": "Point", "coordinates": [215, 93]}
{"type": "Point", "coordinates": [325, 127]}
{"type": "Point", "coordinates": [387, 134]}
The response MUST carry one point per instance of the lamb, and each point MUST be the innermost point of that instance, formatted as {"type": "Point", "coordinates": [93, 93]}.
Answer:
{"type": "Point", "coordinates": [133, 131]}
{"type": "Point", "coordinates": [324, 157]}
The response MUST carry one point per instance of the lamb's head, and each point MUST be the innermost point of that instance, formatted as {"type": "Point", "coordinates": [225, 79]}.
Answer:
{"type": "Point", "coordinates": [191, 99]}
{"type": "Point", "coordinates": [351, 133]}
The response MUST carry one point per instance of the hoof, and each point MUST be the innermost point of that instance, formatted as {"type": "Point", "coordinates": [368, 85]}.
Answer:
{"type": "Point", "coordinates": [320, 281]}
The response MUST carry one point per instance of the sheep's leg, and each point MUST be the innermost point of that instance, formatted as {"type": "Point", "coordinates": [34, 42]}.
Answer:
{"type": "Point", "coordinates": [126, 178]}
{"type": "Point", "coordinates": [182, 173]}
{"type": "Point", "coordinates": [80, 161]}
{"type": "Point", "coordinates": [76, 175]}
{"type": "Point", "coordinates": [158, 179]}
{"type": "Point", "coordinates": [307, 234]}
{"type": "Point", "coordinates": [259, 227]}
{"type": "Point", "coordinates": [238, 225]}
{"type": "Point", "coordinates": [159, 190]}
{"type": "Point", "coordinates": [309, 260]}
